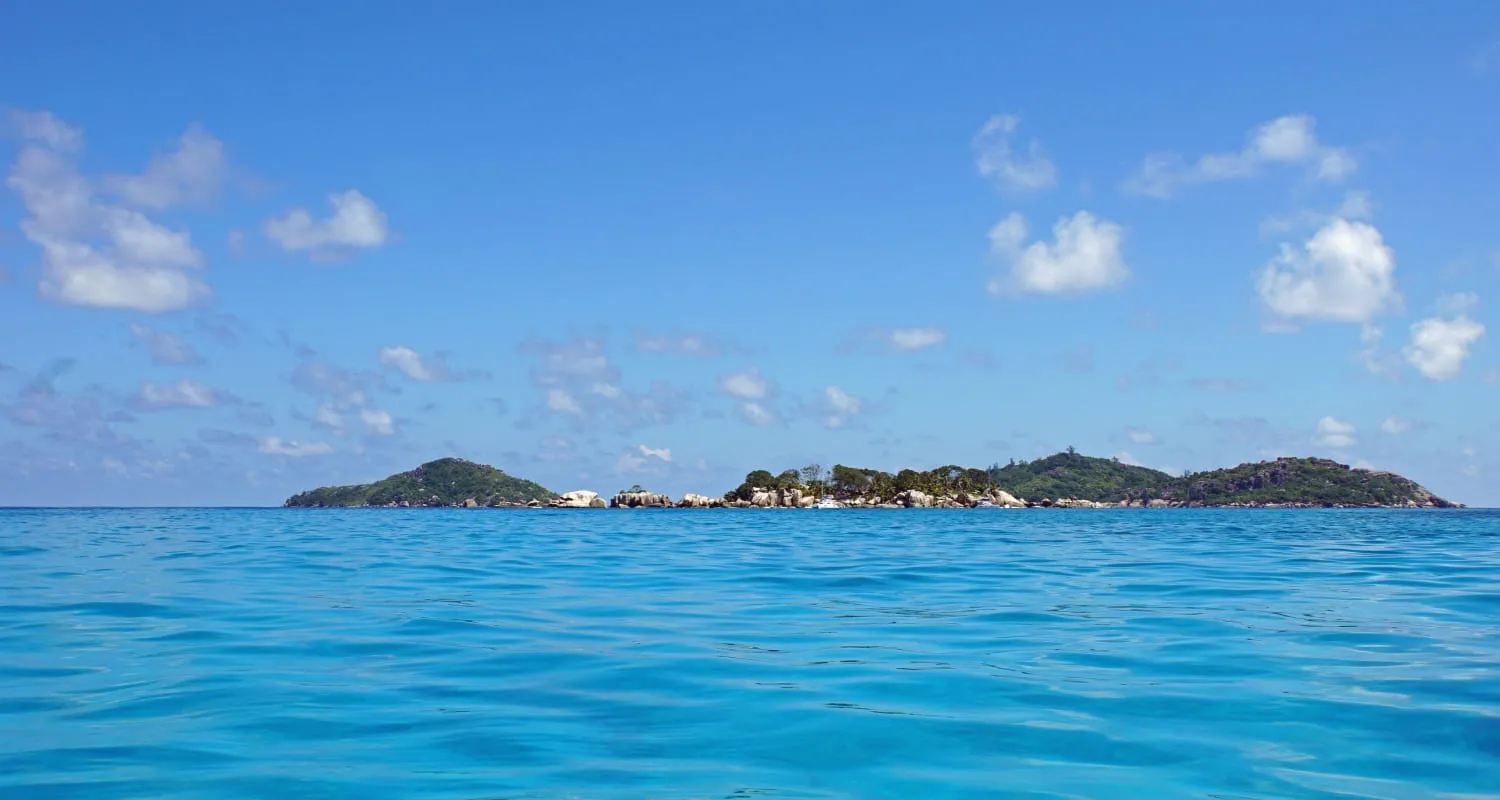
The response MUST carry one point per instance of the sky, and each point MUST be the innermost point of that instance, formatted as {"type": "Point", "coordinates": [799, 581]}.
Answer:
{"type": "Point", "coordinates": [246, 250]}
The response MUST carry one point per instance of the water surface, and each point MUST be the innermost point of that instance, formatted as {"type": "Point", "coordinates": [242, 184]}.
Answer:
{"type": "Point", "coordinates": [749, 654]}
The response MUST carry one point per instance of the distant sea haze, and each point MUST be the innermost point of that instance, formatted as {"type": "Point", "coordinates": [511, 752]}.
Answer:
{"type": "Point", "coordinates": [227, 654]}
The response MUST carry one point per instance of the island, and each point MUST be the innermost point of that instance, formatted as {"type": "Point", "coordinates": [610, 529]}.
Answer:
{"type": "Point", "coordinates": [1063, 480]}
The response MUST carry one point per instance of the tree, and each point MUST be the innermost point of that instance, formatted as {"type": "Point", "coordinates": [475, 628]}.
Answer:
{"type": "Point", "coordinates": [812, 473]}
{"type": "Point", "coordinates": [849, 481]}
{"type": "Point", "coordinates": [907, 479]}
{"type": "Point", "coordinates": [1071, 451]}
{"type": "Point", "coordinates": [789, 479]}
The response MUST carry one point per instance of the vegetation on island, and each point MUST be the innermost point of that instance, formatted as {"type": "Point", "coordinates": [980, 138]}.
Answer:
{"type": "Point", "coordinates": [444, 482]}
{"type": "Point", "coordinates": [1069, 476]}
{"type": "Point", "coordinates": [1284, 481]}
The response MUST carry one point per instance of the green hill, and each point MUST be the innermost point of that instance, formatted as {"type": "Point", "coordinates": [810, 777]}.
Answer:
{"type": "Point", "coordinates": [444, 482]}
{"type": "Point", "coordinates": [1300, 481]}
{"type": "Point", "coordinates": [1282, 482]}
{"type": "Point", "coordinates": [1102, 480]}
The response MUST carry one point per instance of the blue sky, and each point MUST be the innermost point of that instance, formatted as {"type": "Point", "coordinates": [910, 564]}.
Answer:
{"type": "Point", "coordinates": [249, 250]}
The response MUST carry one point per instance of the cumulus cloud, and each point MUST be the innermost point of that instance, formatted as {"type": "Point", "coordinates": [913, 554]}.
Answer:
{"type": "Point", "coordinates": [407, 361]}
{"type": "Point", "coordinates": [44, 127]}
{"type": "Point", "coordinates": [1394, 426]}
{"type": "Point", "coordinates": [277, 446]}
{"type": "Point", "coordinates": [192, 173]}
{"type": "Point", "coordinates": [77, 420]}
{"type": "Point", "coordinates": [324, 380]}
{"type": "Point", "coordinates": [1222, 385]}
{"type": "Point", "coordinates": [1345, 273]}
{"type": "Point", "coordinates": [355, 223]}
{"type": "Point", "coordinates": [748, 385]}
{"type": "Point", "coordinates": [1356, 205]}
{"type": "Point", "coordinates": [649, 460]}
{"type": "Point", "coordinates": [663, 453]}
{"type": "Point", "coordinates": [182, 394]}
{"type": "Point", "coordinates": [164, 348]}
{"type": "Point", "coordinates": [1440, 345]}
{"type": "Point", "coordinates": [1376, 361]}
{"type": "Point", "coordinates": [1290, 141]}
{"type": "Point", "coordinates": [378, 422]}
{"type": "Point", "coordinates": [1085, 254]}
{"type": "Point", "coordinates": [909, 339]}
{"type": "Point", "coordinates": [95, 253]}
{"type": "Point", "coordinates": [563, 402]}
{"type": "Point", "coordinates": [1141, 435]}
{"type": "Point", "coordinates": [328, 417]}
{"type": "Point", "coordinates": [757, 414]}
{"type": "Point", "coordinates": [997, 159]}
{"type": "Point", "coordinates": [433, 368]}
{"type": "Point", "coordinates": [1335, 433]}
{"type": "Point", "coordinates": [839, 408]}
{"type": "Point", "coordinates": [577, 380]}
{"type": "Point", "coordinates": [696, 345]}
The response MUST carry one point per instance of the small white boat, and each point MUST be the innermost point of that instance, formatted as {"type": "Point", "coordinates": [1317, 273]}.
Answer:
{"type": "Point", "coordinates": [828, 502]}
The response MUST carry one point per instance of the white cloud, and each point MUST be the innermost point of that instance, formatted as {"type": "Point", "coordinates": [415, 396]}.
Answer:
{"type": "Point", "coordinates": [917, 338]}
{"type": "Point", "coordinates": [563, 402]}
{"type": "Point", "coordinates": [46, 128]}
{"type": "Point", "coordinates": [577, 378]}
{"type": "Point", "coordinates": [841, 401]}
{"type": "Point", "coordinates": [93, 253]}
{"type": "Point", "coordinates": [1335, 433]}
{"type": "Point", "coordinates": [1439, 346]}
{"type": "Point", "coordinates": [378, 422]}
{"type": "Point", "coordinates": [277, 446]}
{"type": "Point", "coordinates": [1141, 435]}
{"type": "Point", "coordinates": [664, 454]}
{"type": "Point", "coordinates": [164, 348]}
{"type": "Point", "coordinates": [1376, 361]}
{"type": "Point", "coordinates": [355, 223]}
{"type": "Point", "coordinates": [1355, 205]}
{"type": "Point", "coordinates": [1457, 302]}
{"type": "Point", "coordinates": [1289, 140]}
{"type": "Point", "coordinates": [756, 414]}
{"type": "Point", "coordinates": [1084, 254]}
{"type": "Point", "coordinates": [838, 407]}
{"type": "Point", "coordinates": [998, 161]}
{"type": "Point", "coordinates": [687, 344]}
{"type": "Point", "coordinates": [182, 394]}
{"type": "Point", "coordinates": [1345, 273]}
{"type": "Point", "coordinates": [747, 385]}
{"type": "Point", "coordinates": [417, 367]}
{"type": "Point", "coordinates": [328, 417]}
{"type": "Point", "coordinates": [190, 174]}
{"type": "Point", "coordinates": [1394, 426]}
{"type": "Point", "coordinates": [407, 361]}
{"type": "Point", "coordinates": [1128, 459]}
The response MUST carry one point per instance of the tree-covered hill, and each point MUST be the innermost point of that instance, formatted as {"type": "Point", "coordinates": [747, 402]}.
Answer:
{"type": "Point", "coordinates": [1300, 481]}
{"type": "Point", "coordinates": [1080, 477]}
{"type": "Point", "coordinates": [1284, 481]}
{"type": "Point", "coordinates": [444, 482]}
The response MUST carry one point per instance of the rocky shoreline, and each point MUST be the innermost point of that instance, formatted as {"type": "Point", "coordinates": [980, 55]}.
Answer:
{"type": "Point", "coordinates": [911, 498]}
{"type": "Point", "coordinates": [1065, 480]}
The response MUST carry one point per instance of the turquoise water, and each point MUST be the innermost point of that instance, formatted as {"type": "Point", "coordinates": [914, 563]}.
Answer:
{"type": "Point", "coordinates": [749, 654]}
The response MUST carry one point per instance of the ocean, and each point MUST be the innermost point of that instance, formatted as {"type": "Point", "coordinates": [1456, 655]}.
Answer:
{"type": "Point", "coordinates": [486, 654]}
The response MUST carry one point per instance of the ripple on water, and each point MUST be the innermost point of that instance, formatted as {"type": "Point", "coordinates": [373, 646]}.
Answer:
{"type": "Point", "coordinates": [449, 654]}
